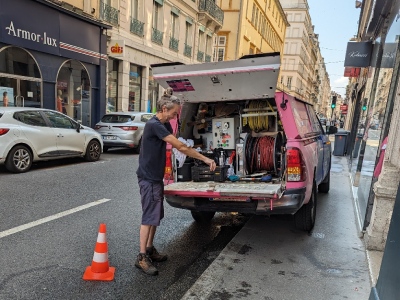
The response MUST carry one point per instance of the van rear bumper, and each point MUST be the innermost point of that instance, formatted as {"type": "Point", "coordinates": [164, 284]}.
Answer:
{"type": "Point", "coordinates": [289, 203]}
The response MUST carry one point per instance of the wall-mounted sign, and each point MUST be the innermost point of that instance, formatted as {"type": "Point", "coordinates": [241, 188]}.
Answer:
{"type": "Point", "coordinates": [42, 28]}
{"type": "Point", "coordinates": [116, 48]}
{"type": "Point", "coordinates": [358, 54]}
{"type": "Point", "coordinates": [343, 107]}
{"type": "Point", "coordinates": [351, 72]}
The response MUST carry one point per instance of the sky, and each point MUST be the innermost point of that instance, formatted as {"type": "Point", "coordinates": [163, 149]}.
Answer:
{"type": "Point", "coordinates": [335, 22]}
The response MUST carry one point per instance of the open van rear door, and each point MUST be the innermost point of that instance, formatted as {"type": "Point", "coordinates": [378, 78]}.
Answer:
{"type": "Point", "coordinates": [251, 77]}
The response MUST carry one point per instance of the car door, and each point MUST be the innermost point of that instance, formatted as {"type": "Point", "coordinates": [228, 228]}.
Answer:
{"type": "Point", "coordinates": [70, 142]}
{"type": "Point", "coordinates": [38, 133]}
{"type": "Point", "coordinates": [321, 144]}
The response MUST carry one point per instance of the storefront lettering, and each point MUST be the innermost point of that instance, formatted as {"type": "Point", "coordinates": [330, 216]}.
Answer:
{"type": "Point", "coordinates": [31, 36]}
{"type": "Point", "coordinates": [117, 49]}
{"type": "Point", "coordinates": [388, 55]}
{"type": "Point", "coordinates": [357, 54]}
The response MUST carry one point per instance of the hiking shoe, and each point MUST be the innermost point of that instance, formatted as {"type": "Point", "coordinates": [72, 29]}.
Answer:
{"type": "Point", "coordinates": [144, 262]}
{"type": "Point", "coordinates": [155, 256]}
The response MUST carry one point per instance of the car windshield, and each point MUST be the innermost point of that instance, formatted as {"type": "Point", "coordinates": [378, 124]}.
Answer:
{"type": "Point", "coordinates": [117, 118]}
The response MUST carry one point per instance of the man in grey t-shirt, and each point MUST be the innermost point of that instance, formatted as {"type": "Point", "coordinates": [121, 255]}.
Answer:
{"type": "Point", "coordinates": [157, 133]}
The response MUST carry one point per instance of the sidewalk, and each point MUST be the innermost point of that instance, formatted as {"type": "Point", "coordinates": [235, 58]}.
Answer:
{"type": "Point", "coordinates": [270, 259]}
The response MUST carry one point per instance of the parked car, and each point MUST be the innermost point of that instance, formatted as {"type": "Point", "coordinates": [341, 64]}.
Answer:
{"type": "Point", "coordinates": [272, 141]}
{"type": "Point", "coordinates": [122, 129]}
{"type": "Point", "coordinates": [28, 135]}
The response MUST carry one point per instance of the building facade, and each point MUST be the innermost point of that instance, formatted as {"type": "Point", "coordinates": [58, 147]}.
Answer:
{"type": "Point", "coordinates": [304, 72]}
{"type": "Point", "coordinates": [151, 32]}
{"type": "Point", "coordinates": [146, 32]}
{"type": "Point", "coordinates": [250, 27]}
{"type": "Point", "coordinates": [57, 61]}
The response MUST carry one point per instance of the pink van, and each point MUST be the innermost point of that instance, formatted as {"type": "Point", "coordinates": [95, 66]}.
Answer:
{"type": "Point", "coordinates": [272, 152]}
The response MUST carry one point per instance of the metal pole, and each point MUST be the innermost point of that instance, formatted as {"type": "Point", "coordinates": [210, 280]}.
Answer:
{"type": "Point", "coordinates": [354, 125]}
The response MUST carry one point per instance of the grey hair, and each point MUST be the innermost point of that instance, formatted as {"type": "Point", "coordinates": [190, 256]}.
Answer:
{"type": "Point", "coordinates": [168, 101]}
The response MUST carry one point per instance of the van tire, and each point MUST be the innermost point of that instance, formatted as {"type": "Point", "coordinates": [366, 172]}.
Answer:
{"type": "Point", "coordinates": [304, 218]}
{"type": "Point", "coordinates": [202, 216]}
{"type": "Point", "coordinates": [324, 186]}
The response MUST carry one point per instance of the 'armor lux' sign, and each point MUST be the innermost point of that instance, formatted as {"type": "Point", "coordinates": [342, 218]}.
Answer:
{"type": "Point", "coordinates": [31, 36]}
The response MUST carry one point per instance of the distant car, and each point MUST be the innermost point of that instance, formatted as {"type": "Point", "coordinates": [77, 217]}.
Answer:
{"type": "Point", "coordinates": [34, 134]}
{"type": "Point", "coordinates": [374, 126]}
{"type": "Point", "coordinates": [122, 129]}
{"type": "Point", "coordinates": [322, 120]}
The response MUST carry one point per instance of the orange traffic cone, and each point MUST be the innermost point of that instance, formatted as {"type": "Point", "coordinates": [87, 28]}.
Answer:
{"type": "Point", "coordinates": [100, 270]}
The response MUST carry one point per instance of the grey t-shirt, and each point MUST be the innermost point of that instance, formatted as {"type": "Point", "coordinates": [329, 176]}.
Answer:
{"type": "Point", "coordinates": [152, 154]}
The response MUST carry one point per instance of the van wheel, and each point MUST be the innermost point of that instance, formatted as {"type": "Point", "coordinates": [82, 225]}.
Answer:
{"type": "Point", "coordinates": [93, 151]}
{"type": "Point", "coordinates": [323, 187]}
{"type": "Point", "coordinates": [202, 216]}
{"type": "Point", "coordinates": [19, 159]}
{"type": "Point", "coordinates": [304, 218]}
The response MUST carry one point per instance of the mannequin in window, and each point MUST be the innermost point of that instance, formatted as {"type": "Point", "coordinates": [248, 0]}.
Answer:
{"type": "Point", "coordinates": [5, 99]}
{"type": "Point", "coordinates": [59, 101]}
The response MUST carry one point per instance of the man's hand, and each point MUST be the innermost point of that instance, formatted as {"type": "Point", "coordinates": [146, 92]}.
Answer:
{"type": "Point", "coordinates": [211, 163]}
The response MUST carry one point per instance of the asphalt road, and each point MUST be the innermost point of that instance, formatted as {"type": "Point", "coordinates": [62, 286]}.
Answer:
{"type": "Point", "coordinates": [49, 222]}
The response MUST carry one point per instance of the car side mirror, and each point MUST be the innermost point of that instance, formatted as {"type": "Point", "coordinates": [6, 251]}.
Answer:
{"type": "Point", "coordinates": [332, 130]}
{"type": "Point", "coordinates": [78, 127]}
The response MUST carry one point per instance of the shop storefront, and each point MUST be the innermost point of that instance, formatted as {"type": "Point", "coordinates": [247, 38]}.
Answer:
{"type": "Point", "coordinates": [52, 58]}
{"type": "Point", "coordinates": [374, 110]}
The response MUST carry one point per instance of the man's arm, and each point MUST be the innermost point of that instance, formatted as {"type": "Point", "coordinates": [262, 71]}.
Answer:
{"type": "Point", "coordinates": [189, 151]}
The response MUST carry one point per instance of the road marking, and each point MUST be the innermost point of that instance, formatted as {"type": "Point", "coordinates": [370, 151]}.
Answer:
{"type": "Point", "coordinates": [51, 218]}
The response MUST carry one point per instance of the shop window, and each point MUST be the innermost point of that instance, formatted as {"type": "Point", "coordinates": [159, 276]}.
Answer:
{"type": "Point", "coordinates": [23, 85]}
{"type": "Point", "coordinates": [135, 86]}
{"type": "Point", "coordinates": [73, 93]}
{"type": "Point", "coordinates": [17, 61]}
{"type": "Point", "coordinates": [112, 91]}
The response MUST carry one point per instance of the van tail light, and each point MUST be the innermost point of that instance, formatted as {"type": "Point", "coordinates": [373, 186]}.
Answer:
{"type": "Point", "coordinates": [295, 165]}
{"type": "Point", "coordinates": [168, 165]}
{"type": "Point", "coordinates": [3, 131]}
{"type": "Point", "coordinates": [127, 128]}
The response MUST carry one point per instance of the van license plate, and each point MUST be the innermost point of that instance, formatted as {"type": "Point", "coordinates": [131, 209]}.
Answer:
{"type": "Point", "coordinates": [236, 199]}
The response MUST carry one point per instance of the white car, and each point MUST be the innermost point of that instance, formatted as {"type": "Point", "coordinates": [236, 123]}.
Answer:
{"type": "Point", "coordinates": [28, 135]}
{"type": "Point", "coordinates": [122, 129]}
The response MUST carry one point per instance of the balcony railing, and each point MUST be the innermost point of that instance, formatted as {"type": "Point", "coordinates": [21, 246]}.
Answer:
{"type": "Point", "coordinates": [173, 44]}
{"type": "Point", "coordinates": [200, 55]}
{"type": "Point", "coordinates": [109, 13]}
{"type": "Point", "coordinates": [187, 51]}
{"type": "Point", "coordinates": [207, 58]}
{"type": "Point", "coordinates": [137, 27]}
{"type": "Point", "coordinates": [211, 8]}
{"type": "Point", "coordinates": [157, 36]}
